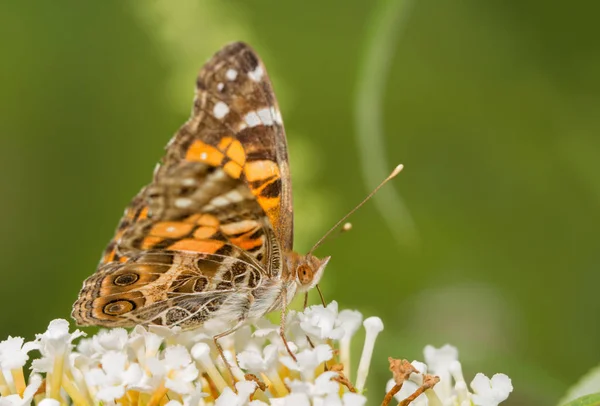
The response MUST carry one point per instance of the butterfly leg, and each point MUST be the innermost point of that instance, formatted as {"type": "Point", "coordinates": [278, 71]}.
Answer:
{"type": "Point", "coordinates": [305, 306]}
{"type": "Point", "coordinates": [282, 324]}
{"type": "Point", "coordinates": [320, 295]}
{"type": "Point", "coordinates": [220, 349]}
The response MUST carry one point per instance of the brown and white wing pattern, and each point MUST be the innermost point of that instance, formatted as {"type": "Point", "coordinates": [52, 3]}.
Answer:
{"type": "Point", "coordinates": [237, 115]}
{"type": "Point", "coordinates": [209, 230]}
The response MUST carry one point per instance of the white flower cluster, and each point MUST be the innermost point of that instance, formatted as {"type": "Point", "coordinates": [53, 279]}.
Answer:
{"type": "Point", "coordinates": [166, 366]}
{"type": "Point", "coordinates": [451, 390]}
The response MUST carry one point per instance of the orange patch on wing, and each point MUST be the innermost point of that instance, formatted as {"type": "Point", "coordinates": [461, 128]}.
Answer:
{"type": "Point", "coordinates": [151, 241]}
{"type": "Point", "coordinates": [240, 227]}
{"type": "Point", "coordinates": [208, 220]}
{"type": "Point", "coordinates": [110, 256]}
{"type": "Point", "coordinates": [259, 170]}
{"type": "Point", "coordinates": [202, 233]}
{"type": "Point", "coordinates": [193, 218]}
{"type": "Point", "coordinates": [202, 152]}
{"type": "Point", "coordinates": [268, 203]}
{"type": "Point", "coordinates": [236, 152]}
{"type": "Point", "coordinates": [171, 229]}
{"type": "Point", "coordinates": [246, 244]}
{"type": "Point", "coordinates": [190, 244]}
{"type": "Point", "coordinates": [143, 213]}
{"type": "Point", "coordinates": [224, 143]}
{"type": "Point", "coordinates": [233, 169]}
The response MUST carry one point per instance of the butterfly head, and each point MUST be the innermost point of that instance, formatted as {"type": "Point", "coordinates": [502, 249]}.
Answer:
{"type": "Point", "coordinates": [307, 270]}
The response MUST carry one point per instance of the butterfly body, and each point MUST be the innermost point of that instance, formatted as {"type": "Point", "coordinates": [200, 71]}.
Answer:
{"type": "Point", "coordinates": [211, 236]}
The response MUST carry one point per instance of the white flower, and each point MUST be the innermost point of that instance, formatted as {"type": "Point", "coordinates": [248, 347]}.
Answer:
{"type": "Point", "coordinates": [408, 388]}
{"type": "Point", "coordinates": [177, 369]}
{"type": "Point", "coordinates": [324, 392]}
{"type": "Point", "coordinates": [15, 400]}
{"type": "Point", "coordinates": [411, 385]}
{"type": "Point", "coordinates": [57, 339]}
{"type": "Point", "coordinates": [54, 345]}
{"type": "Point", "coordinates": [229, 398]}
{"type": "Point", "coordinates": [490, 392]}
{"type": "Point", "coordinates": [265, 328]}
{"type": "Point", "coordinates": [49, 402]}
{"type": "Point", "coordinates": [159, 364]}
{"type": "Point", "coordinates": [114, 377]}
{"type": "Point", "coordinates": [144, 343]}
{"type": "Point", "coordinates": [348, 399]}
{"type": "Point", "coordinates": [373, 326]}
{"type": "Point", "coordinates": [322, 322]}
{"type": "Point", "coordinates": [13, 352]}
{"type": "Point", "coordinates": [440, 360]}
{"type": "Point", "coordinates": [295, 399]}
{"type": "Point", "coordinates": [308, 360]}
{"type": "Point", "coordinates": [349, 321]}
{"type": "Point", "coordinates": [110, 340]}
{"type": "Point", "coordinates": [255, 362]}
{"type": "Point", "coordinates": [323, 385]}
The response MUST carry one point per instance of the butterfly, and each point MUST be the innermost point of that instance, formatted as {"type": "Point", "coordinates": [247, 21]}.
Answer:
{"type": "Point", "coordinates": [211, 237]}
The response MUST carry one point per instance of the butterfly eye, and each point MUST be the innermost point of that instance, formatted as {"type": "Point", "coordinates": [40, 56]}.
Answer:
{"type": "Point", "coordinates": [305, 274]}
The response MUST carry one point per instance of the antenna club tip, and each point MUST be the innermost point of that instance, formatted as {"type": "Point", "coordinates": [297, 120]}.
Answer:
{"type": "Point", "coordinates": [347, 227]}
{"type": "Point", "coordinates": [397, 170]}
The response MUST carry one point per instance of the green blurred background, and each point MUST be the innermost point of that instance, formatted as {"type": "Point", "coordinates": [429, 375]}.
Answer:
{"type": "Point", "coordinates": [492, 107]}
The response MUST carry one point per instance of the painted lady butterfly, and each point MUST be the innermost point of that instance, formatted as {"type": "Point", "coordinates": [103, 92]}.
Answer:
{"type": "Point", "coordinates": [211, 236]}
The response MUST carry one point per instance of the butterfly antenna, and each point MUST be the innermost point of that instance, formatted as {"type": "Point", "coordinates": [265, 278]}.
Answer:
{"type": "Point", "coordinates": [395, 172]}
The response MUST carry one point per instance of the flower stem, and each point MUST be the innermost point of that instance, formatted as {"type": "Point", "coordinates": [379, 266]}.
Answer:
{"type": "Point", "coordinates": [373, 327]}
{"type": "Point", "coordinates": [345, 355]}
{"type": "Point", "coordinates": [56, 378]}
{"type": "Point", "coordinates": [79, 399]}
{"type": "Point", "coordinates": [277, 385]}
{"type": "Point", "coordinates": [4, 388]}
{"type": "Point", "coordinates": [158, 395]}
{"type": "Point", "coordinates": [19, 380]}
{"type": "Point", "coordinates": [133, 396]}
{"type": "Point", "coordinates": [214, 374]}
{"type": "Point", "coordinates": [432, 398]}
{"type": "Point", "coordinates": [80, 385]}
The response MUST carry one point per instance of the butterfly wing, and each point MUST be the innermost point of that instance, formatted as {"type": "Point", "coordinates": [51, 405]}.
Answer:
{"type": "Point", "coordinates": [210, 227]}
{"type": "Point", "coordinates": [238, 117]}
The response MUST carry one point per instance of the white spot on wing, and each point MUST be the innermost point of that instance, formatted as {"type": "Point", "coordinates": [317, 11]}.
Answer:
{"type": "Point", "coordinates": [252, 119]}
{"type": "Point", "coordinates": [234, 196]}
{"type": "Point", "coordinates": [220, 86]}
{"type": "Point", "coordinates": [218, 175]}
{"type": "Point", "coordinates": [172, 140]}
{"type": "Point", "coordinates": [276, 116]}
{"type": "Point", "coordinates": [220, 110]}
{"type": "Point", "coordinates": [188, 182]}
{"type": "Point", "coordinates": [183, 202]}
{"type": "Point", "coordinates": [219, 201]}
{"type": "Point", "coordinates": [257, 74]}
{"type": "Point", "coordinates": [265, 116]}
{"type": "Point", "coordinates": [203, 156]}
{"type": "Point", "coordinates": [231, 74]}
{"type": "Point", "coordinates": [171, 229]}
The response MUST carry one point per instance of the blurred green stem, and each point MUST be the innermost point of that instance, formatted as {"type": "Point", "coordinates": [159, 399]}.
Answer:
{"type": "Point", "coordinates": [383, 32]}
